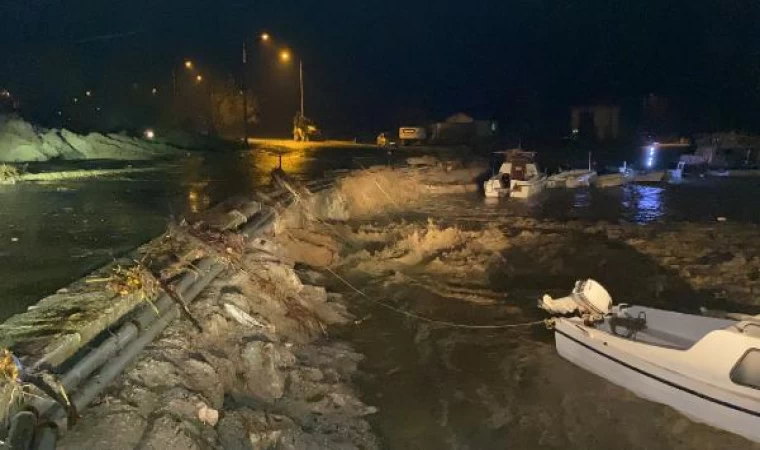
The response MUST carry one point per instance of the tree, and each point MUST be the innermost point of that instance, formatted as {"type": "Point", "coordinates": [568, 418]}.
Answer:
{"type": "Point", "coordinates": [227, 104]}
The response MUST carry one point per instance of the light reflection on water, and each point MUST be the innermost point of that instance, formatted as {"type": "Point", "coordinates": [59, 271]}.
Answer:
{"type": "Point", "coordinates": [643, 204]}
{"type": "Point", "coordinates": [691, 200]}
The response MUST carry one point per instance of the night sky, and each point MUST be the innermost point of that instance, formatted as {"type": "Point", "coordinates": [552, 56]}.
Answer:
{"type": "Point", "coordinates": [371, 64]}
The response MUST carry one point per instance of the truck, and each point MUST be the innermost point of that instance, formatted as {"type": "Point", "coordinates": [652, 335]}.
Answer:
{"type": "Point", "coordinates": [412, 135]}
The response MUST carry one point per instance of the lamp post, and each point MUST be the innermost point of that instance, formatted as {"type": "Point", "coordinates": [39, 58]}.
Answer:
{"type": "Point", "coordinates": [244, 89]}
{"type": "Point", "coordinates": [285, 57]}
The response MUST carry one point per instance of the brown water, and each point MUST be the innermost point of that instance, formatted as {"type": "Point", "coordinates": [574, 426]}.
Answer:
{"type": "Point", "coordinates": [53, 233]}
{"type": "Point", "coordinates": [438, 387]}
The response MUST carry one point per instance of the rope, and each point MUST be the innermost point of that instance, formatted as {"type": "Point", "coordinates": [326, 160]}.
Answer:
{"type": "Point", "coordinates": [409, 314]}
{"type": "Point", "coordinates": [434, 321]}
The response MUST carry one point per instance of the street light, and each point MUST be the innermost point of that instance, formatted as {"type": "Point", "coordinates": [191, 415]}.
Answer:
{"type": "Point", "coordinates": [188, 64]}
{"type": "Point", "coordinates": [285, 57]}
{"type": "Point", "coordinates": [265, 37]}
{"type": "Point", "coordinates": [199, 78]}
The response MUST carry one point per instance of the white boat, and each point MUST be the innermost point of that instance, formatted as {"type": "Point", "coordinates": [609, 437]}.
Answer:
{"type": "Point", "coordinates": [706, 368]}
{"type": "Point", "coordinates": [571, 179]}
{"type": "Point", "coordinates": [675, 175]}
{"type": "Point", "coordinates": [518, 177]}
{"type": "Point", "coordinates": [612, 180]}
{"type": "Point", "coordinates": [649, 177]}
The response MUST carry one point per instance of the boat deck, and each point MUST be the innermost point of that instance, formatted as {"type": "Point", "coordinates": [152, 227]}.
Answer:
{"type": "Point", "coordinates": [668, 329]}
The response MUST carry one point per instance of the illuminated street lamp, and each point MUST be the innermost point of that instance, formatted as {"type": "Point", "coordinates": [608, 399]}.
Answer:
{"type": "Point", "coordinates": [188, 64]}
{"type": "Point", "coordinates": [199, 78]}
{"type": "Point", "coordinates": [265, 37]}
{"type": "Point", "coordinates": [285, 57]}
{"type": "Point", "coordinates": [88, 93]}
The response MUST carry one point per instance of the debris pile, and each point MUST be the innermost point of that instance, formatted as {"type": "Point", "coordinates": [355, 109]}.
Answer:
{"type": "Point", "coordinates": [260, 374]}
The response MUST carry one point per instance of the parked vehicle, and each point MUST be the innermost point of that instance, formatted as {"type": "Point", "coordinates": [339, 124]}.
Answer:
{"type": "Point", "coordinates": [412, 135]}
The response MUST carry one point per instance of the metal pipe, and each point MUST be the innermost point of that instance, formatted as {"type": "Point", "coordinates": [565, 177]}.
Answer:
{"type": "Point", "coordinates": [189, 287]}
{"type": "Point", "coordinates": [128, 342]}
{"type": "Point", "coordinates": [113, 368]}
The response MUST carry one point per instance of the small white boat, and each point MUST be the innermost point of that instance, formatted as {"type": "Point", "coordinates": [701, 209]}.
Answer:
{"type": "Point", "coordinates": [571, 179]}
{"type": "Point", "coordinates": [707, 368]}
{"type": "Point", "coordinates": [612, 180]}
{"type": "Point", "coordinates": [518, 177]}
{"type": "Point", "coordinates": [676, 174]}
{"type": "Point", "coordinates": [649, 177]}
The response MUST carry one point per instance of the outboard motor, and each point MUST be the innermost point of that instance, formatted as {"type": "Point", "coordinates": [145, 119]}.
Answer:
{"type": "Point", "coordinates": [587, 298]}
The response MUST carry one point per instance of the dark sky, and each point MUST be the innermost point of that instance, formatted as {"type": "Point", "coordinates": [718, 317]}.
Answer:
{"type": "Point", "coordinates": [370, 64]}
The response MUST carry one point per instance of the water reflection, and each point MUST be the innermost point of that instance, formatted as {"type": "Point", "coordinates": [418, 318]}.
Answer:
{"type": "Point", "coordinates": [582, 198]}
{"type": "Point", "coordinates": [198, 198]}
{"type": "Point", "coordinates": [643, 204]}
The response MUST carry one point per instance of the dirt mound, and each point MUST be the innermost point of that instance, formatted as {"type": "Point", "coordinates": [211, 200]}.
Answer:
{"type": "Point", "coordinates": [20, 141]}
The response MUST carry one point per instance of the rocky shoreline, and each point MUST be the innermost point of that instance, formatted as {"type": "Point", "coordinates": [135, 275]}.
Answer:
{"type": "Point", "coordinates": [262, 374]}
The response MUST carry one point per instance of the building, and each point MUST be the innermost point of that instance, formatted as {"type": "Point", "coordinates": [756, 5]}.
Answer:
{"type": "Point", "coordinates": [601, 122]}
{"type": "Point", "coordinates": [729, 150]}
{"type": "Point", "coordinates": [463, 129]}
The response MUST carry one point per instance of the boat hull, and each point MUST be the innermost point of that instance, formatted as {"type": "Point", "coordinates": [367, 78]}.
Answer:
{"type": "Point", "coordinates": [527, 189]}
{"type": "Point", "coordinates": [700, 403]}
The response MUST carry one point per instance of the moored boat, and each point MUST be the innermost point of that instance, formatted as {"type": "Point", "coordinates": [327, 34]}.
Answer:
{"type": "Point", "coordinates": [571, 179]}
{"type": "Point", "coordinates": [707, 368]}
{"type": "Point", "coordinates": [649, 177]}
{"type": "Point", "coordinates": [518, 177]}
{"type": "Point", "coordinates": [612, 180]}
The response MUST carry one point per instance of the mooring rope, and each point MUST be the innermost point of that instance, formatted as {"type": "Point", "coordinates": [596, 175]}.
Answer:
{"type": "Point", "coordinates": [435, 321]}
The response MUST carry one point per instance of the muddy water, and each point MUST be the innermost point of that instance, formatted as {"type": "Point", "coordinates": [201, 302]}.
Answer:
{"type": "Point", "coordinates": [439, 387]}
{"type": "Point", "coordinates": [55, 232]}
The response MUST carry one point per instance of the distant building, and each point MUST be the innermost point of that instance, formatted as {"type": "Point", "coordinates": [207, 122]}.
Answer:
{"type": "Point", "coordinates": [463, 129]}
{"type": "Point", "coordinates": [601, 122]}
{"type": "Point", "coordinates": [730, 150]}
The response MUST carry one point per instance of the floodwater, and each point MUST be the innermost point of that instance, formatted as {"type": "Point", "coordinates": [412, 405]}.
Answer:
{"type": "Point", "coordinates": [56, 232]}
{"type": "Point", "coordinates": [438, 387]}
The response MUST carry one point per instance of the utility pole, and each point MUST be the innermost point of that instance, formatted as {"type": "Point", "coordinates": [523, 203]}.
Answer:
{"type": "Point", "coordinates": [300, 76]}
{"type": "Point", "coordinates": [245, 94]}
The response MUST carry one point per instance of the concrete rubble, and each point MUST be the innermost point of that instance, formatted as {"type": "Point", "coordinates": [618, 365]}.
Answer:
{"type": "Point", "coordinates": [262, 375]}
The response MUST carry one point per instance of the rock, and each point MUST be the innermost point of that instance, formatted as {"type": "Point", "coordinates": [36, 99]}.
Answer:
{"type": "Point", "coordinates": [271, 431]}
{"type": "Point", "coordinates": [236, 298]}
{"type": "Point", "coordinates": [105, 427]}
{"type": "Point", "coordinates": [154, 374]}
{"type": "Point", "coordinates": [232, 432]}
{"type": "Point", "coordinates": [263, 378]}
{"type": "Point", "coordinates": [201, 377]}
{"type": "Point", "coordinates": [207, 415]}
{"type": "Point", "coordinates": [243, 318]}
{"type": "Point", "coordinates": [169, 434]}
{"type": "Point", "coordinates": [144, 400]}
{"type": "Point", "coordinates": [216, 325]}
